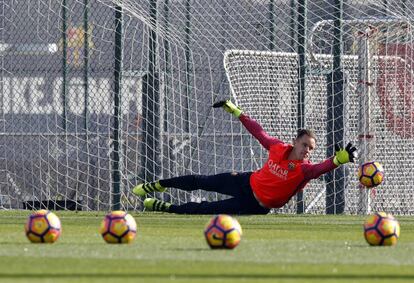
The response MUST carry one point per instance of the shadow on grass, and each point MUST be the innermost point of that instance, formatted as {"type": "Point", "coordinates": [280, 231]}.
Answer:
{"type": "Point", "coordinates": [210, 276]}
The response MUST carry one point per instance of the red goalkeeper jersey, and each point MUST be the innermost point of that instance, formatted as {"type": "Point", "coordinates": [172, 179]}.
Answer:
{"type": "Point", "coordinates": [280, 179]}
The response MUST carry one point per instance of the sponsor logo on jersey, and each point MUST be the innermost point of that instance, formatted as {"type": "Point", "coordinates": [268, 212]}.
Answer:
{"type": "Point", "coordinates": [277, 170]}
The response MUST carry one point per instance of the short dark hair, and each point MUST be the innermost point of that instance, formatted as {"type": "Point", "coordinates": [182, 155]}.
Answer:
{"type": "Point", "coordinates": [302, 132]}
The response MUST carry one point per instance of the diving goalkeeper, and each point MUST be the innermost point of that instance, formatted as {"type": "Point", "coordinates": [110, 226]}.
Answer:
{"type": "Point", "coordinates": [286, 172]}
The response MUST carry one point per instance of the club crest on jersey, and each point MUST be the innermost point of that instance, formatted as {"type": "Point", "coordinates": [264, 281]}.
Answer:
{"type": "Point", "coordinates": [291, 166]}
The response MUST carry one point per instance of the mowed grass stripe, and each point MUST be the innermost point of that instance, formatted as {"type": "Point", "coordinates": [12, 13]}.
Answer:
{"type": "Point", "coordinates": [168, 248]}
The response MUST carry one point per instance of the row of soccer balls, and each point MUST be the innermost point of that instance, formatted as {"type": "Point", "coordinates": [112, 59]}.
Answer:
{"type": "Point", "coordinates": [119, 227]}
{"type": "Point", "coordinates": [221, 232]}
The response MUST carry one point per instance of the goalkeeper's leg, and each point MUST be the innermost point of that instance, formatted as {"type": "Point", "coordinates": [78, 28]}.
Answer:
{"type": "Point", "coordinates": [227, 206]}
{"type": "Point", "coordinates": [244, 203]}
{"type": "Point", "coordinates": [225, 183]}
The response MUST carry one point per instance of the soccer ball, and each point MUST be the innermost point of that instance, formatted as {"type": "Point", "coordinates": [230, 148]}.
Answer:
{"type": "Point", "coordinates": [43, 226]}
{"type": "Point", "coordinates": [381, 229]}
{"type": "Point", "coordinates": [118, 227]}
{"type": "Point", "coordinates": [371, 174]}
{"type": "Point", "coordinates": [223, 232]}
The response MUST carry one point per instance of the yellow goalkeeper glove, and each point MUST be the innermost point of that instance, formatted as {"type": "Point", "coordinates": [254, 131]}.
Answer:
{"type": "Point", "coordinates": [229, 107]}
{"type": "Point", "coordinates": [344, 155]}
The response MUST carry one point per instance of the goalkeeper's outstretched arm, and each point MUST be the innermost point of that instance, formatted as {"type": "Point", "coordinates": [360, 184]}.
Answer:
{"type": "Point", "coordinates": [342, 156]}
{"type": "Point", "coordinates": [250, 124]}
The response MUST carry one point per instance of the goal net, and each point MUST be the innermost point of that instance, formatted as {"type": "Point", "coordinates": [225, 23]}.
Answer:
{"type": "Point", "coordinates": [99, 95]}
{"type": "Point", "coordinates": [265, 85]}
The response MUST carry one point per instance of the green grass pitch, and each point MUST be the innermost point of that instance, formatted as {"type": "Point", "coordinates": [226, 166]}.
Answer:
{"type": "Point", "coordinates": [171, 248]}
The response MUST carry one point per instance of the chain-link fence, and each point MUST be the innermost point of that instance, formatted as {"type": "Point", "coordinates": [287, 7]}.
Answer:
{"type": "Point", "coordinates": [100, 95]}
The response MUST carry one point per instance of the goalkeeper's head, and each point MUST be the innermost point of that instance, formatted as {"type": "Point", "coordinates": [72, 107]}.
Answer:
{"type": "Point", "coordinates": [303, 145]}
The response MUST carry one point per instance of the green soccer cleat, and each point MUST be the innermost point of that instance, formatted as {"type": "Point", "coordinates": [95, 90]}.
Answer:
{"type": "Point", "coordinates": [152, 204]}
{"type": "Point", "coordinates": [145, 188]}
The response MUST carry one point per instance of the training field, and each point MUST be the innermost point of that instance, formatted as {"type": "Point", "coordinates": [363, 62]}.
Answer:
{"type": "Point", "coordinates": [171, 248]}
